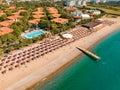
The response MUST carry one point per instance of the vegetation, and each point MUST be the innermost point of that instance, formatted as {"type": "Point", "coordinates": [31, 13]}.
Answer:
{"type": "Point", "coordinates": [108, 9]}
{"type": "Point", "coordinates": [14, 40]}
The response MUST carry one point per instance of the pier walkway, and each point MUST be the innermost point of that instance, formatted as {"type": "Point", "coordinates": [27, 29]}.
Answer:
{"type": "Point", "coordinates": [89, 53]}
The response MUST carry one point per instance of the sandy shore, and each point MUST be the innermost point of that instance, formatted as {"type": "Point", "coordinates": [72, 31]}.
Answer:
{"type": "Point", "coordinates": [25, 76]}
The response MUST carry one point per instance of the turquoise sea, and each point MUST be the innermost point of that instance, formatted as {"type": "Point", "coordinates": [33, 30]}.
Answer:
{"type": "Point", "coordinates": [87, 74]}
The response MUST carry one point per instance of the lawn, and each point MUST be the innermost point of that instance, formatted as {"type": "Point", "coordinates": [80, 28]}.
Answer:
{"type": "Point", "coordinates": [109, 11]}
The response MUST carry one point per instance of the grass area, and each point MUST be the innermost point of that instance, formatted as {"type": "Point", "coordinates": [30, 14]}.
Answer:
{"type": "Point", "coordinates": [109, 16]}
{"type": "Point", "coordinates": [109, 11]}
{"type": "Point", "coordinates": [117, 8]}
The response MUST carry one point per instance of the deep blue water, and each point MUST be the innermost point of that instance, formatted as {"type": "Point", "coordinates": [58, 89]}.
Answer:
{"type": "Point", "coordinates": [87, 74]}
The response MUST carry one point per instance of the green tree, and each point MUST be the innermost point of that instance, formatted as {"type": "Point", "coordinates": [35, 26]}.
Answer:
{"type": "Point", "coordinates": [4, 39]}
{"type": "Point", "coordinates": [4, 17]}
{"type": "Point", "coordinates": [53, 26]}
{"type": "Point", "coordinates": [1, 51]}
{"type": "Point", "coordinates": [0, 43]}
{"type": "Point", "coordinates": [9, 13]}
{"type": "Point", "coordinates": [17, 30]}
{"type": "Point", "coordinates": [44, 24]}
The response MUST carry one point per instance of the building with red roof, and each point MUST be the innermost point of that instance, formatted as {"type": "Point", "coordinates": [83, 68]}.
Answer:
{"type": "Point", "coordinates": [11, 8]}
{"type": "Point", "coordinates": [5, 30]}
{"type": "Point", "coordinates": [38, 16]}
{"type": "Point", "coordinates": [34, 21]}
{"type": "Point", "coordinates": [72, 9]}
{"type": "Point", "coordinates": [1, 13]}
{"type": "Point", "coordinates": [60, 20]}
{"type": "Point", "coordinates": [56, 15]}
{"type": "Point", "coordinates": [15, 17]}
{"type": "Point", "coordinates": [52, 10]}
{"type": "Point", "coordinates": [7, 23]}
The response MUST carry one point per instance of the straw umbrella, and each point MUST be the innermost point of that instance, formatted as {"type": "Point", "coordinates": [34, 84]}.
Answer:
{"type": "Point", "coordinates": [0, 68]}
{"type": "Point", "coordinates": [23, 63]}
{"type": "Point", "coordinates": [1, 63]}
{"type": "Point", "coordinates": [12, 63]}
{"type": "Point", "coordinates": [4, 71]}
{"type": "Point", "coordinates": [7, 61]}
{"type": "Point", "coordinates": [6, 66]}
{"type": "Point", "coordinates": [3, 59]}
{"type": "Point", "coordinates": [11, 68]}
{"type": "Point", "coordinates": [17, 65]}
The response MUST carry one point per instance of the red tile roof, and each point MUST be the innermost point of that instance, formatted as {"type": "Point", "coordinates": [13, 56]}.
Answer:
{"type": "Point", "coordinates": [18, 12]}
{"type": "Point", "coordinates": [52, 10]}
{"type": "Point", "coordinates": [60, 20]}
{"type": "Point", "coordinates": [38, 16]}
{"type": "Point", "coordinates": [70, 8]}
{"type": "Point", "coordinates": [10, 8]}
{"type": "Point", "coordinates": [77, 17]}
{"type": "Point", "coordinates": [5, 30]}
{"type": "Point", "coordinates": [7, 23]}
{"type": "Point", "coordinates": [40, 9]}
{"type": "Point", "coordinates": [37, 12]}
{"type": "Point", "coordinates": [14, 17]}
{"type": "Point", "coordinates": [20, 7]}
{"type": "Point", "coordinates": [2, 13]}
{"type": "Point", "coordinates": [22, 10]}
{"type": "Point", "coordinates": [56, 15]}
{"type": "Point", "coordinates": [34, 21]}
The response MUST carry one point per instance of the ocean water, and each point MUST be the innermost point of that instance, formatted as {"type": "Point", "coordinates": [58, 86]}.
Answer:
{"type": "Point", "coordinates": [87, 74]}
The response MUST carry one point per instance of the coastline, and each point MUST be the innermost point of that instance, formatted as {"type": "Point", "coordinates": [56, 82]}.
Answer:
{"type": "Point", "coordinates": [57, 60]}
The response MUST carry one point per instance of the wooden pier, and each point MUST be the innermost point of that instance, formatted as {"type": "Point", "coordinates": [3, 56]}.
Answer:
{"type": "Point", "coordinates": [89, 53]}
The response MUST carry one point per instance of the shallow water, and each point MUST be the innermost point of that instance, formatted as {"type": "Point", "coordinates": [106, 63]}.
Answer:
{"type": "Point", "coordinates": [87, 74]}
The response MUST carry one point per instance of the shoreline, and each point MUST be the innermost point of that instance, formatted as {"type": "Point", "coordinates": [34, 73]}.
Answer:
{"type": "Point", "coordinates": [69, 52]}
{"type": "Point", "coordinates": [52, 75]}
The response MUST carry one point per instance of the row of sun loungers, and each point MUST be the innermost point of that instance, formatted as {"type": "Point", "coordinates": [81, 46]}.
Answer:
{"type": "Point", "coordinates": [108, 22]}
{"type": "Point", "coordinates": [11, 61]}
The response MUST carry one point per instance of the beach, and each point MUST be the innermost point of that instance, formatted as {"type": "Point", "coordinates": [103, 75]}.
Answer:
{"type": "Point", "coordinates": [27, 75]}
